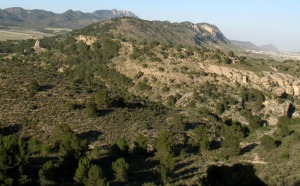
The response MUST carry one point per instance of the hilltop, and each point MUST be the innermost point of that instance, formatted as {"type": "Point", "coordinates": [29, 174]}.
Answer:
{"type": "Point", "coordinates": [185, 33]}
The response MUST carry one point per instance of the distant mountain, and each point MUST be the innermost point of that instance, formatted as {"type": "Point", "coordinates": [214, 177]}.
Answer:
{"type": "Point", "coordinates": [69, 19]}
{"type": "Point", "coordinates": [269, 48]}
{"type": "Point", "coordinates": [245, 45]}
{"type": "Point", "coordinates": [250, 46]}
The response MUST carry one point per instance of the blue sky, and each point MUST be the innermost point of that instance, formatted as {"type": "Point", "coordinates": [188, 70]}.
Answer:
{"type": "Point", "coordinates": [258, 21]}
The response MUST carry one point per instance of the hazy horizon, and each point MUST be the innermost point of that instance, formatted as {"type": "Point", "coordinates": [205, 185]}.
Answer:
{"type": "Point", "coordinates": [260, 22]}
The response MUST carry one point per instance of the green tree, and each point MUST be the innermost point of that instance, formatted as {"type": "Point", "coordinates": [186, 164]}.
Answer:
{"type": "Point", "coordinates": [68, 143]}
{"type": "Point", "coordinates": [283, 126]}
{"type": "Point", "coordinates": [48, 174]}
{"type": "Point", "coordinates": [199, 139]}
{"type": "Point", "coordinates": [12, 152]}
{"type": "Point", "coordinates": [120, 167]}
{"type": "Point", "coordinates": [163, 146]}
{"type": "Point", "coordinates": [122, 144]}
{"type": "Point", "coordinates": [232, 137]}
{"type": "Point", "coordinates": [34, 146]}
{"type": "Point", "coordinates": [140, 143]}
{"type": "Point", "coordinates": [6, 180]}
{"type": "Point", "coordinates": [120, 147]}
{"type": "Point", "coordinates": [163, 171]}
{"type": "Point", "coordinates": [95, 177]}
{"type": "Point", "coordinates": [82, 171]}
{"type": "Point", "coordinates": [72, 146]}
{"type": "Point", "coordinates": [255, 122]}
{"type": "Point", "coordinates": [60, 132]}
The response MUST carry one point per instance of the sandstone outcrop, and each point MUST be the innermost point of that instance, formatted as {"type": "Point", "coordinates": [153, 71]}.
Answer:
{"type": "Point", "coordinates": [276, 83]}
{"type": "Point", "coordinates": [37, 48]}
{"type": "Point", "coordinates": [88, 40]}
{"type": "Point", "coordinates": [276, 110]}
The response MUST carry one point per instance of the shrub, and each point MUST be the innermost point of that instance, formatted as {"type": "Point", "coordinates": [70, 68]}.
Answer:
{"type": "Point", "coordinates": [102, 98]}
{"type": "Point", "coordinates": [220, 108]}
{"type": "Point", "coordinates": [33, 87]}
{"type": "Point", "coordinates": [143, 87]}
{"type": "Point", "coordinates": [267, 142]}
{"type": "Point", "coordinates": [90, 109]}
{"type": "Point", "coordinates": [231, 54]}
{"type": "Point", "coordinates": [161, 69]}
{"type": "Point", "coordinates": [165, 89]}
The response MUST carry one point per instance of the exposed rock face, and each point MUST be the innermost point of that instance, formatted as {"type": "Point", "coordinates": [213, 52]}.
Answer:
{"type": "Point", "coordinates": [296, 87]}
{"type": "Point", "coordinates": [209, 29]}
{"type": "Point", "coordinates": [277, 110]}
{"type": "Point", "coordinates": [277, 83]}
{"type": "Point", "coordinates": [88, 40]}
{"type": "Point", "coordinates": [37, 44]}
{"type": "Point", "coordinates": [37, 47]}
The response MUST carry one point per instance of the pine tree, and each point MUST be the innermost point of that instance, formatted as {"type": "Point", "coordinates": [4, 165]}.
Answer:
{"type": "Point", "coordinates": [47, 174]}
{"type": "Point", "coordinates": [120, 167]}
{"type": "Point", "coordinates": [82, 170]}
{"type": "Point", "coordinates": [95, 177]}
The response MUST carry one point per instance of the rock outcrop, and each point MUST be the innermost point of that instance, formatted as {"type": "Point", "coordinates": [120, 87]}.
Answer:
{"type": "Point", "coordinates": [276, 110]}
{"type": "Point", "coordinates": [274, 82]}
{"type": "Point", "coordinates": [88, 40]}
{"type": "Point", "coordinates": [37, 48]}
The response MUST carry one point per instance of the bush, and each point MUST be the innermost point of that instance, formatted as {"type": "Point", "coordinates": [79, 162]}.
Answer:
{"type": "Point", "coordinates": [267, 142]}
{"type": "Point", "coordinates": [90, 109]}
{"type": "Point", "coordinates": [143, 87]}
{"type": "Point", "coordinates": [220, 108]}
{"type": "Point", "coordinates": [102, 98]}
{"type": "Point", "coordinates": [165, 89]}
{"type": "Point", "coordinates": [33, 87]}
{"type": "Point", "coordinates": [231, 54]}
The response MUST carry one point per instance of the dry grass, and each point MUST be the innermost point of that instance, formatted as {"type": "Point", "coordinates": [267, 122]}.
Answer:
{"type": "Point", "coordinates": [21, 33]}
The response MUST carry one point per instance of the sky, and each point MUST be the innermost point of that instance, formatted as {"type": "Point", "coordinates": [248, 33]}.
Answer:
{"type": "Point", "coordinates": [258, 21]}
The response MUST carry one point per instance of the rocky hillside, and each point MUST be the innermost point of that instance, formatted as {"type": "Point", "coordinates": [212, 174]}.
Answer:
{"type": "Point", "coordinates": [173, 100]}
{"type": "Point", "coordinates": [44, 19]}
{"type": "Point", "coordinates": [185, 33]}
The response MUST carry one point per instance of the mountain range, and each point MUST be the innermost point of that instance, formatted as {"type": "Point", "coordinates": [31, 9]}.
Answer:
{"type": "Point", "coordinates": [250, 46]}
{"type": "Point", "coordinates": [70, 19]}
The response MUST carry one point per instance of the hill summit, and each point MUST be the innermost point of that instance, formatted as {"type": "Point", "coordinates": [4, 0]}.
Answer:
{"type": "Point", "coordinates": [185, 33]}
